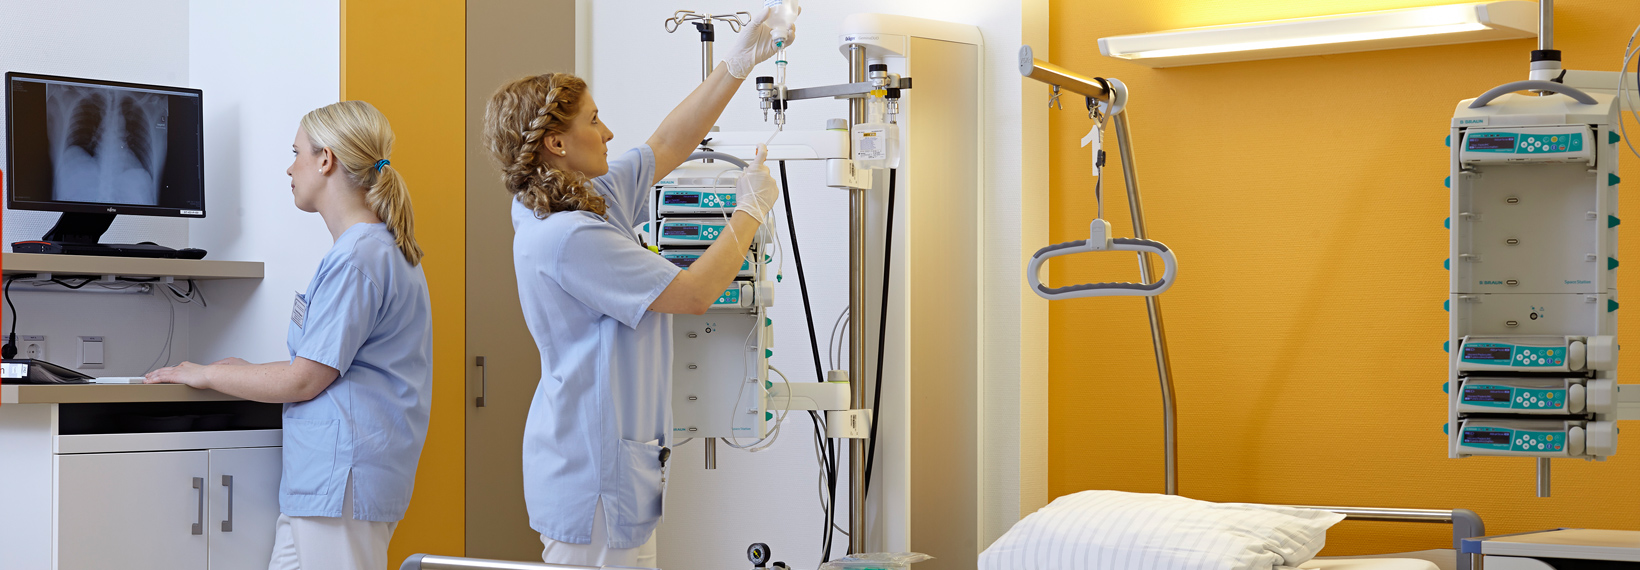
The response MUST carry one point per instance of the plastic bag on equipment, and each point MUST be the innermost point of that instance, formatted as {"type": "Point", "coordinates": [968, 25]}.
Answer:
{"type": "Point", "coordinates": [877, 561]}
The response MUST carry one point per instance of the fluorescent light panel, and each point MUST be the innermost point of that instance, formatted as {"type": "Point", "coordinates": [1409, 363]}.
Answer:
{"type": "Point", "coordinates": [1389, 29]}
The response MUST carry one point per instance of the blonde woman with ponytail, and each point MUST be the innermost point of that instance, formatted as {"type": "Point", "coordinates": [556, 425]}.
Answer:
{"type": "Point", "coordinates": [358, 386]}
{"type": "Point", "coordinates": [600, 305]}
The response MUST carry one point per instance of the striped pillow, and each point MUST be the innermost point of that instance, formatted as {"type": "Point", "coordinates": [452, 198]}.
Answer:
{"type": "Point", "coordinates": [1112, 530]}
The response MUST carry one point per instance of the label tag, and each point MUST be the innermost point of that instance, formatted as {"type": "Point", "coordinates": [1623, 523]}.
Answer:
{"type": "Point", "coordinates": [298, 312]}
{"type": "Point", "coordinates": [1096, 137]}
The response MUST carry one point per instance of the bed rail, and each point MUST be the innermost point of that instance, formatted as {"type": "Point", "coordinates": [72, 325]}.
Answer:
{"type": "Point", "coordinates": [434, 562]}
{"type": "Point", "coordinates": [1465, 524]}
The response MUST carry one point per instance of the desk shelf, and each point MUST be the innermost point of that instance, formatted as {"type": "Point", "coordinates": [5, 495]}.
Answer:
{"type": "Point", "coordinates": [63, 265]}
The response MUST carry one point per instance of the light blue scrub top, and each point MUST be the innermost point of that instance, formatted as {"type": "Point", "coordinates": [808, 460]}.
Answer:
{"type": "Point", "coordinates": [368, 316]}
{"type": "Point", "coordinates": [603, 408]}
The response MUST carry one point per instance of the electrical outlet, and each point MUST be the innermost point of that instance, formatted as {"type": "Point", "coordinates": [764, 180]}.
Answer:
{"type": "Point", "coordinates": [31, 346]}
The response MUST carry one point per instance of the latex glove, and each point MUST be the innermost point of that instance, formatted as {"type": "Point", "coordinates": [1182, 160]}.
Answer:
{"type": "Point", "coordinates": [754, 45]}
{"type": "Point", "coordinates": [756, 191]}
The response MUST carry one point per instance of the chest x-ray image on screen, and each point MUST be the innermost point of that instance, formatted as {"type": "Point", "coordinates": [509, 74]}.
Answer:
{"type": "Point", "coordinates": [107, 145]}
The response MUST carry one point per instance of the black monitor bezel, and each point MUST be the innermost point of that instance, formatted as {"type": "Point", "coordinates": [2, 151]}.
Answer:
{"type": "Point", "coordinates": [93, 207]}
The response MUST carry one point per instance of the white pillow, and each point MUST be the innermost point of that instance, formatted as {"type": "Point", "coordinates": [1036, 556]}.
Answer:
{"type": "Point", "coordinates": [1112, 530]}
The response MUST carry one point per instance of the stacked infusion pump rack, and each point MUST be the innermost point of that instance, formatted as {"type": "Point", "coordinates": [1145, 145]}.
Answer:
{"type": "Point", "coordinates": [720, 367]}
{"type": "Point", "coordinates": [1533, 347]}
{"type": "Point", "coordinates": [733, 339]}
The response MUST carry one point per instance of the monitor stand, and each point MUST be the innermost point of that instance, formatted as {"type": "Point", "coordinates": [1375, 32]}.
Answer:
{"type": "Point", "coordinates": [77, 234]}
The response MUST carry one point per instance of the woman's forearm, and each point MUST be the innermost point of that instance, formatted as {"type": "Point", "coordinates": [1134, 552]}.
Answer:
{"type": "Point", "coordinates": [681, 132]}
{"type": "Point", "coordinates": [275, 382]}
{"type": "Point", "coordinates": [693, 291]}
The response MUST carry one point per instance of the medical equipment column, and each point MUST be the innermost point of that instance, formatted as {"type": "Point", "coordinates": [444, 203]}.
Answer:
{"type": "Point", "coordinates": [1153, 307]}
{"type": "Point", "coordinates": [857, 318]}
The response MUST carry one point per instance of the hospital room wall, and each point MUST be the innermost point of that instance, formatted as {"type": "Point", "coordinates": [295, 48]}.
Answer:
{"type": "Point", "coordinates": [408, 58]}
{"type": "Point", "coordinates": [1304, 198]}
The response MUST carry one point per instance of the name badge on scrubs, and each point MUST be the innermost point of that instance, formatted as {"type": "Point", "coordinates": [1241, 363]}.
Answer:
{"type": "Point", "coordinates": [298, 312]}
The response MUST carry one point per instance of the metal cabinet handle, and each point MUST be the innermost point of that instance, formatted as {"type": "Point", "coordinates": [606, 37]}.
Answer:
{"type": "Point", "coordinates": [227, 481]}
{"type": "Point", "coordinates": [199, 522]}
{"type": "Point", "coordinates": [483, 382]}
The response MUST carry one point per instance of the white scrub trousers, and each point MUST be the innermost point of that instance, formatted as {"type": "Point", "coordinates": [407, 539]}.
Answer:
{"type": "Point", "coordinates": [598, 553]}
{"type": "Point", "coordinates": [331, 543]}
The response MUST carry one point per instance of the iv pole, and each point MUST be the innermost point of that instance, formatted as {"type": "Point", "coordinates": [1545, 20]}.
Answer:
{"type": "Point", "coordinates": [704, 23]}
{"type": "Point", "coordinates": [1095, 90]}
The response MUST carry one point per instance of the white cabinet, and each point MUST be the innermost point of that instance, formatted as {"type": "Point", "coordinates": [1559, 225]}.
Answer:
{"type": "Point", "coordinates": [176, 510]}
{"type": "Point", "coordinates": [86, 488]}
{"type": "Point", "coordinates": [135, 511]}
{"type": "Point", "coordinates": [242, 507]}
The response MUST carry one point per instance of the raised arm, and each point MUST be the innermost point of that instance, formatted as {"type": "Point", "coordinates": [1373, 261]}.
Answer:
{"type": "Point", "coordinates": [685, 126]}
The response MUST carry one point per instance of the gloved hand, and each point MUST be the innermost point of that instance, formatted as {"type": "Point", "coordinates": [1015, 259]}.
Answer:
{"type": "Point", "coordinates": [756, 191]}
{"type": "Point", "coordinates": [754, 45]}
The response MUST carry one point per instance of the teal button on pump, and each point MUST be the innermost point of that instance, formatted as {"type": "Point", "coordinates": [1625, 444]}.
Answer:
{"type": "Point", "coordinates": [1449, 140]}
{"type": "Point", "coordinates": [1447, 223]}
{"type": "Point", "coordinates": [1447, 264]}
{"type": "Point", "coordinates": [1613, 180]}
{"type": "Point", "coordinates": [1611, 305]}
{"type": "Point", "coordinates": [1447, 182]}
{"type": "Point", "coordinates": [1446, 428]}
{"type": "Point", "coordinates": [1612, 221]}
{"type": "Point", "coordinates": [767, 321]}
{"type": "Point", "coordinates": [767, 353]}
{"type": "Point", "coordinates": [1446, 346]}
{"type": "Point", "coordinates": [1445, 387]}
{"type": "Point", "coordinates": [1613, 139]}
{"type": "Point", "coordinates": [1611, 263]}
{"type": "Point", "coordinates": [1446, 305]}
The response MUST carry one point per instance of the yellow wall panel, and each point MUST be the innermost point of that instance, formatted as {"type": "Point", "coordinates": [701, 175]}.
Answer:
{"type": "Point", "coordinates": [408, 58]}
{"type": "Point", "coordinates": [1304, 199]}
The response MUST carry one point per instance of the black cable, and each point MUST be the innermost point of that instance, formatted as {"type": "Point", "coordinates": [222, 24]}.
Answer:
{"type": "Point", "coordinates": [830, 463]}
{"type": "Point", "coordinates": [9, 351]}
{"type": "Point", "coordinates": [882, 333]}
{"type": "Point", "coordinates": [82, 284]}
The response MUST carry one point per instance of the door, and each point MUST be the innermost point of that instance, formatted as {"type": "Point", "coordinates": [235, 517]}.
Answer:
{"type": "Point", "coordinates": [506, 40]}
{"type": "Point", "coordinates": [133, 511]}
{"type": "Point", "coordinates": [242, 507]}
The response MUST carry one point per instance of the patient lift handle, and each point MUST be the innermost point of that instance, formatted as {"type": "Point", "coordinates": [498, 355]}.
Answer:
{"type": "Point", "coordinates": [1113, 93]}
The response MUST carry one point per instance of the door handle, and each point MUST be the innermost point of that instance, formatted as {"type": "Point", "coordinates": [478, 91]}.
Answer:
{"type": "Point", "coordinates": [483, 382]}
{"type": "Point", "coordinates": [227, 481]}
{"type": "Point", "coordinates": [199, 522]}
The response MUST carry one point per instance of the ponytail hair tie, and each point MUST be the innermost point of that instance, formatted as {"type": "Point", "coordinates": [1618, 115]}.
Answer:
{"type": "Point", "coordinates": [381, 163]}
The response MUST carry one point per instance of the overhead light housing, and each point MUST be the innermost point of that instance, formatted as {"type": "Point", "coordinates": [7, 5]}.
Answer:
{"type": "Point", "coordinates": [1365, 31]}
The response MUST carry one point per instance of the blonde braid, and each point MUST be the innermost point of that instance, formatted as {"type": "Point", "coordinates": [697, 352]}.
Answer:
{"type": "Point", "coordinates": [548, 102]}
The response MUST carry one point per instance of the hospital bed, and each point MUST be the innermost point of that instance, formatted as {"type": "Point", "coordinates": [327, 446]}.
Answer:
{"type": "Point", "coordinates": [1465, 524]}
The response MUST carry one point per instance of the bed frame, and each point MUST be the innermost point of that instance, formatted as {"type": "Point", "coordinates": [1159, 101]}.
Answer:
{"type": "Point", "coordinates": [1465, 524]}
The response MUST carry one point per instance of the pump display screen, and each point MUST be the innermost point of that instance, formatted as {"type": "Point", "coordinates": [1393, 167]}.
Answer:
{"type": "Point", "coordinates": [1491, 142]}
{"type": "Point", "coordinates": [1487, 394]}
{"type": "Point", "coordinates": [681, 200]}
{"type": "Point", "coordinates": [1501, 353]}
{"type": "Point", "coordinates": [13, 370]}
{"type": "Point", "coordinates": [1487, 436]}
{"type": "Point", "coordinates": [682, 261]}
{"type": "Point", "coordinates": [689, 231]}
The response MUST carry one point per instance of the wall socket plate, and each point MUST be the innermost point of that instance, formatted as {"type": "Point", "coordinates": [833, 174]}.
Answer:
{"type": "Point", "coordinates": [31, 346]}
{"type": "Point", "coordinates": [91, 352]}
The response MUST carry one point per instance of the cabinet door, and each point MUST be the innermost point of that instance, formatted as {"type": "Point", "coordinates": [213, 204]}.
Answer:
{"type": "Point", "coordinates": [133, 511]}
{"type": "Point", "coordinates": [244, 505]}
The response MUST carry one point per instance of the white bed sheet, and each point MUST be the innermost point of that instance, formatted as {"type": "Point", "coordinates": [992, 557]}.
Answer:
{"type": "Point", "coordinates": [1442, 559]}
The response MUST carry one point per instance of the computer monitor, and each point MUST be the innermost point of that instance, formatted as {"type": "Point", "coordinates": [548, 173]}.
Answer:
{"type": "Point", "coordinates": [95, 149]}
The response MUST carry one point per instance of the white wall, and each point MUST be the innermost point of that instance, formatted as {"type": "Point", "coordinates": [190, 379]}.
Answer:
{"type": "Point", "coordinates": [638, 73]}
{"type": "Point", "coordinates": [261, 65]}
{"type": "Point", "coordinates": [141, 41]}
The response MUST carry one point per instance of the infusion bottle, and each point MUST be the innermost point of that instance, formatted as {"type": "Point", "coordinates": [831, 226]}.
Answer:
{"type": "Point", "coordinates": [876, 141]}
